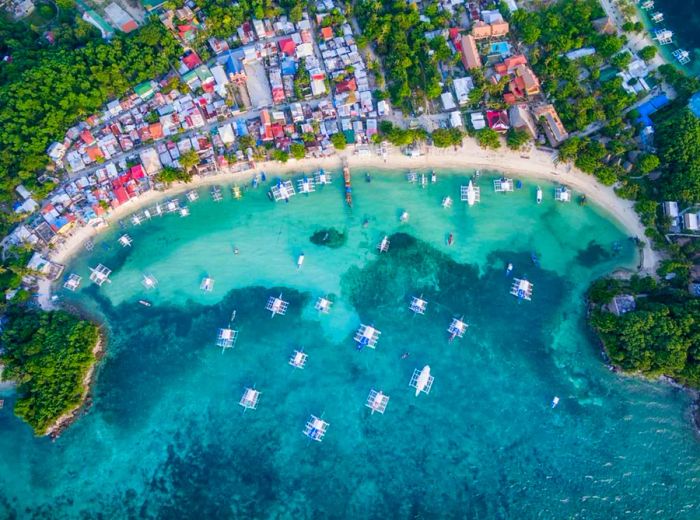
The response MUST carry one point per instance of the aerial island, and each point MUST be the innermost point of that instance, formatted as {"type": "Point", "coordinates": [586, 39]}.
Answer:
{"type": "Point", "coordinates": [103, 110]}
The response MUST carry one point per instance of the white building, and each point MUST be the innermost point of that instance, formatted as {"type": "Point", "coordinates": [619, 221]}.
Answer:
{"type": "Point", "coordinates": [462, 88]}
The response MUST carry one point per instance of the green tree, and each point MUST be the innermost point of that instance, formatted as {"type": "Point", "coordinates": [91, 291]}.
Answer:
{"type": "Point", "coordinates": [648, 53]}
{"type": "Point", "coordinates": [516, 139]}
{"type": "Point", "coordinates": [189, 160]}
{"type": "Point", "coordinates": [169, 174]}
{"type": "Point", "coordinates": [648, 163]}
{"type": "Point", "coordinates": [297, 150]}
{"type": "Point", "coordinates": [339, 141]}
{"type": "Point", "coordinates": [488, 138]}
{"type": "Point", "coordinates": [279, 155]}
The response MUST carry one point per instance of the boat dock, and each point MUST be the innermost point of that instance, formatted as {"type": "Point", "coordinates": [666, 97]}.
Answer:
{"type": "Point", "coordinates": [348, 184]}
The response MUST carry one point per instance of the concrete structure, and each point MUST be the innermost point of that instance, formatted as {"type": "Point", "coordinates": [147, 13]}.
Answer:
{"type": "Point", "coordinates": [553, 127]}
{"type": "Point", "coordinates": [470, 54]}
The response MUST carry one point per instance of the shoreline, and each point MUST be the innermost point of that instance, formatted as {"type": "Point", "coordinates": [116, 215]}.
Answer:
{"type": "Point", "coordinates": [65, 420]}
{"type": "Point", "coordinates": [534, 164]}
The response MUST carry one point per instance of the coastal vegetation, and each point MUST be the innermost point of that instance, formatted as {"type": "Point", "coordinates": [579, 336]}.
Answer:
{"type": "Point", "coordinates": [48, 355]}
{"type": "Point", "coordinates": [46, 89]}
{"type": "Point", "coordinates": [661, 336]}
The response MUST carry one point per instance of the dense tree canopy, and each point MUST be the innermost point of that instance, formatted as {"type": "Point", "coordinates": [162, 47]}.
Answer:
{"type": "Point", "coordinates": [58, 87]}
{"type": "Point", "coordinates": [47, 354]}
{"type": "Point", "coordinates": [678, 142]}
{"type": "Point", "coordinates": [658, 338]}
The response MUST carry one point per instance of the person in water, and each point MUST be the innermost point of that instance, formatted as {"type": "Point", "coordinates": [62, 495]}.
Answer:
{"type": "Point", "coordinates": [235, 250]}
{"type": "Point", "coordinates": [405, 355]}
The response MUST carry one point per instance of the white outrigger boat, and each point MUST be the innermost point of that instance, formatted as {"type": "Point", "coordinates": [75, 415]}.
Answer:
{"type": "Point", "coordinates": [421, 380]}
{"type": "Point", "coordinates": [300, 261]}
{"type": "Point", "coordinates": [539, 195]}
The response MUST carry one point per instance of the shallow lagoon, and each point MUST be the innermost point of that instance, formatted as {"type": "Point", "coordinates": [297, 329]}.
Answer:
{"type": "Point", "coordinates": [165, 436]}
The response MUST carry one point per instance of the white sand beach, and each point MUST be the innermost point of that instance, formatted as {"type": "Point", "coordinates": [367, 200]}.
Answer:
{"type": "Point", "coordinates": [533, 164]}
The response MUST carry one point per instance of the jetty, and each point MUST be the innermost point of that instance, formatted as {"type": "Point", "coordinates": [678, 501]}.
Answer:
{"type": "Point", "coordinates": [447, 202]}
{"type": "Point", "coordinates": [503, 185]}
{"type": "Point", "coordinates": [321, 177]}
{"type": "Point", "coordinates": [125, 240]}
{"type": "Point", "coordinates": [73, 282]}
{"type": "Point", "coordinates": [421, 380]}
{"type": "Point", "coordinates": [282, 190]}
{"type": "Point", "coordinates": [457, 328]}
{"type": "Point", "coordinates": [249, 400]}
{"type": "Point", "coordinates": [315, 428]}
{"type": "Point", "coordinates": [306, 185]}
{"type": "Point", "coordinates": [348, 184]}
{"type": "Point", "coordinates": [470, 194]}
{"type": "Point", "coordinates": [216, 193]}
{"type": "Point", "coordinates": [418, 305]}
{"type": "Point", "coordinates": [323, 305]}
{"type": "Point", "coordinates": [100, 274]}
{"type": "Point", "coordinates": [384, 245]}
{"type": "Point", "coordinates": [207, 284]}
{"type": "Point", "coordinates": [377, 401]}
{"type": "Point", "coordinates": [276, 305]}
{"type": "Point", "coordinates": [521, 289]}
{"type": "Point", "coordinates": [366, 336]}
{"type": "Point", "coordinates": [149, 281]}
{"type": "Point", "coordinates": [562, 194]}
{"type": "Point", "coordinates": [298, 359]}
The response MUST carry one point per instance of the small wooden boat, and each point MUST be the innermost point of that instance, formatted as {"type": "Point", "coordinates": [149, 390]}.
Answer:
{"type": "Point", "coordinates": [145, 303]}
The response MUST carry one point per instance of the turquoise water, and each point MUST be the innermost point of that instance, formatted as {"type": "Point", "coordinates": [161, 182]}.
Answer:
{"type": "Point", "coordinates": [165, 437]}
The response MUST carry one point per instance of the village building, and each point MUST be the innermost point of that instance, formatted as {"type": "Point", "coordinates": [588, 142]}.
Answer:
{"type": "Point", "coordinates": [470, 54]}
{"type": "Point", "coordinates": [553, 127]}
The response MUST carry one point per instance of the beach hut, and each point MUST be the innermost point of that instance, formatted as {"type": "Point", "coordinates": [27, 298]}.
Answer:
{"type": "Point", "coordinates": [73, 282]}
{"type": "Point", "coordinates": [249, 400]}
{"type": "Point", "coordinates": [503, 185]}
{"type": "Point", "coordinates": [366, 336]}
{"type": "Point", "coordinates": [207, 284]}
{"type": "Point", "coordinates": [149, 281]}
{"type": "Point", "coordinates": [323, 305]}
{"type": "Point", "coordinates": [421, 380]}
{"type": "Point", "coordinates": [315, 428]}
{"type": "Point", "coordinates": [283, 190]}
{"type": "Point", "coordinates": [447, 202]}
{"type": "Point", "coordinates": [306, 185]}
{"type": "Point", "coordinates": [418, 305]}
{"type": "Point", "coordinates": [321, 177]}
{"type": "Point", "coordinates": [562, 194]}
{"type": "Point", "coordinates": [298, 359]}
{"type": "Point", "coordinates": [521, 289]}
{"type": "Point", "coordinates": [470, 194]}
{"type": "Point", "coordinates": [377, 401]}
{"type": "Point", "coordinates": [384, 245]}
{"type": "Point", "coordinates": [457, 328]}
{"type": "Point", "coordinates": [276, 305]}
{"type": "Point", "coordinates": [125, 240]}
{"type": "Point", "coordinates": [100, 274]}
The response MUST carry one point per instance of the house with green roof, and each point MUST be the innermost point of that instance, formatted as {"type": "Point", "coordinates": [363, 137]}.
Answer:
{"type": "Point", "coordinates": [144, 90]}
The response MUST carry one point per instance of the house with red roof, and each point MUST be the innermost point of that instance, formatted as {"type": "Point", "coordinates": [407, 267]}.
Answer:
{"type": "Point", "coordinates": [94, 153]}
{"type": "Point", "coordinates": [348, 85]}
{"type": "Point", "coordinates": [327, 33]}
{"type": "Point", "coordinates": [509, 65]}
{"type": "Point", "coordinates": [498, 120]}
{"type": "Point", "coordinates": [287, 46]}
{"type": "Point", "coordinates": [87, 137]}
{"type": "Point", "coordinates": [191, 60]}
